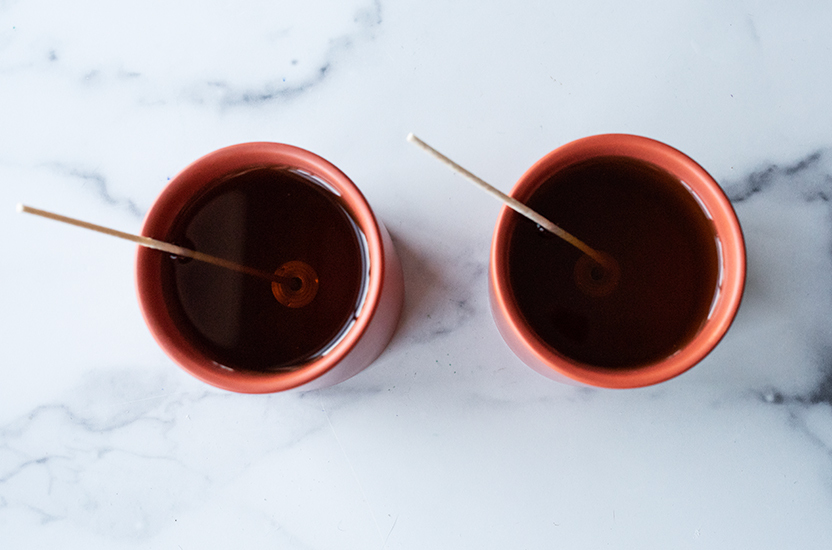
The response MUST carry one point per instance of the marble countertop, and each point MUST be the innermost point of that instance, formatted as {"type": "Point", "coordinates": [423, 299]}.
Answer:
{"type": "Point", "coordinates": [448, 440]}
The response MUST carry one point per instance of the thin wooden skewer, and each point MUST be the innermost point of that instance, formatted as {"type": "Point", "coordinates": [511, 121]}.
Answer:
{"type": "Point", "coordinates": [155, 244]}
{"type": "Point", "coordinates": [512, 203]}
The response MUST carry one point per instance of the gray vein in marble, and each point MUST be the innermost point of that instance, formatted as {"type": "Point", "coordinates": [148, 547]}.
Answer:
{"type": "Point", "coordinates": [807, 181]}
{"type": "Point", "coordinates": [97, 183]}
{"type": "Point", "coordinates": [811, 176]}
{"type": "Point", "coordinates": [54, 460]}
{"type": "Point", "coordinates": [820, 394]}
{"type": "Point", "coordinates": [799, 406]}
{"type": "Point", "coordinates": [231, 95]}
{"type": "Point", "coordinates": [823, 391]}
{"type": "Point", "coordinates": [268, 92]}
{"type": "Point", "coordinates": [752, 29]}
{"type": "Point", "coordinates": [220, 92]}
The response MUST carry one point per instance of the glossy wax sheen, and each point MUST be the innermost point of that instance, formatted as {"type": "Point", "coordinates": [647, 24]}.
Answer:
{"type": "Point", "coordinates": [263, 218]}
{"type": "Point", "coordinates": [664, 244]}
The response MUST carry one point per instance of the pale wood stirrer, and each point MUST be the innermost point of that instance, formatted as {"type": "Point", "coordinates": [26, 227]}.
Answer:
{"type": "Point", "coordinates": [513, 203]}
{"type": "Point", "coordinates": [158, 245]}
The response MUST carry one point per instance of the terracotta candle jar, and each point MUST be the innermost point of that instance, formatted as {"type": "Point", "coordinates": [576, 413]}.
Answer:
{"type": "Point", "coordinates": [676, 278]}
{"type": "Point", "coordinates": [337, 291]}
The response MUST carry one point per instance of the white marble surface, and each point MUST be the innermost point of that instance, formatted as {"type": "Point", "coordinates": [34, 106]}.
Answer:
{"type": "Point", "coordinates": [447, 441]}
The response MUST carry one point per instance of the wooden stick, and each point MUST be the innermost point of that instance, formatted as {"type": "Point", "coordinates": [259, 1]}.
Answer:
{"type": "Point", "coordinates": [154, 244]}
{"type": "Point", "coordinates": [512, 203]}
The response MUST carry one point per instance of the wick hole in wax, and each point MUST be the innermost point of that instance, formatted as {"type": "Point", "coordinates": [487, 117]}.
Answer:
{"type": "Point", "coordinates": [295, 284]}
{"type": "Point", "coordinates": [300, 288]}
{"type": "Point", "coordinates": [594, 279]}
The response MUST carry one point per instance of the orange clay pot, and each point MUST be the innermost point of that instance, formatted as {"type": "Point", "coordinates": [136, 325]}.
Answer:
{"type": "Point", "coordinates": [376, 320]}
{"type": "Point", "coordinates": [545, 359]}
